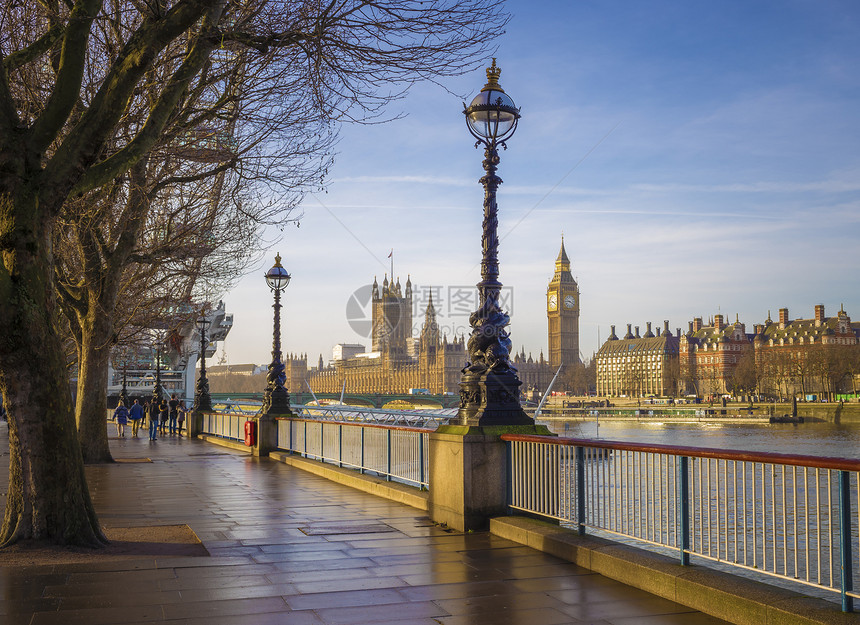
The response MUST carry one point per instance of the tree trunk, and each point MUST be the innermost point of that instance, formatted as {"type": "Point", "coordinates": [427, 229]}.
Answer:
{"type": "Point", "coordinates": [91, 408]}
{"type": "Point", "coordinates": [48, 497]}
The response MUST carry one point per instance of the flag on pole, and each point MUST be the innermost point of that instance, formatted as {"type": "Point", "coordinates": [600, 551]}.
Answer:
{"type": "Point", "coordinates": [392, 252]}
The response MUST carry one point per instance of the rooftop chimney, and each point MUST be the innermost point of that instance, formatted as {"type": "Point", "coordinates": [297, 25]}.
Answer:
{"type": "Point", "coordinates": [637, 332]}
{"type": "Point", "coordinates": [648, 333]}
{"type": "Point", "coordinates": [819, 314]}
{"type": "Point", "coordinates": [718, 322]}
{"type": "Point", "coordinates": [697, 324]}
{"type": "Point", "coordinates": [629, 334]}
{"type": "Point", "coordinates": [783, 317]}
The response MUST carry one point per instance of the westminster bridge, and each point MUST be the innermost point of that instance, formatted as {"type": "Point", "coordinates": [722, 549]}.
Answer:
{"type": "Point", "coordinates": [372, 400]}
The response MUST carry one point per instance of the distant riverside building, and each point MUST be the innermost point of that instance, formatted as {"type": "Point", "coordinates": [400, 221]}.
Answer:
{"type": "Point", "coordinates": [345, 351]}
{"type": "Point", "coordinates": [709, 355]}
{"type": "Point", "coordinates": [179, 356]}
{"type": "Point", "coordinates": [398, 361]}
{"type": "Point", "coordinates": [781, 358]}
{"type": "Point", "coordinates": [638, 365]}
{"type": "Point", "coordinates": [246, 370]}
{"type": "Point", "coordinates": [806, 355]}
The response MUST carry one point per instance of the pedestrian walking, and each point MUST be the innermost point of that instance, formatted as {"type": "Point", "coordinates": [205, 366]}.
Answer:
{"type": "Point", "coordinates": [162, 416]}
{"type": "Point", "coordinates": [152, 415]}
{"type": "Point", "coordinates": [180, 420]}
{"type": "Point", "coordinates": [174, 412]}
{"type": "Point", "coordinates": [120, 415]}
{"type": "Point", "coordinates": [135, 413]}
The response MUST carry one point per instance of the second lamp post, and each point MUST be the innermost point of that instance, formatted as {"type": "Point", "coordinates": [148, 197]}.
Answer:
{"type": "Point", "coordinates": [276, 399]}
{"type": "Point", "coordinates": [202, 398]}
{"type": "Point", "coordinates": [490, 388]}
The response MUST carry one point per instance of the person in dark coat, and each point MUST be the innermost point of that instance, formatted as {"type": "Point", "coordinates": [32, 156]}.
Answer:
{"type": "Point", "coordinates": [152, 415]}
{"type": "Point", "coordinates": [135, 413]}
{"type": "Point", "coordinates": [162, 416]}
{"type": "Point", "coordinates": [174, 412]}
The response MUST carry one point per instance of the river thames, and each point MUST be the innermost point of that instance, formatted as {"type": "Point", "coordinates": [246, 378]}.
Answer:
{"type": "Point", "coordinates": [808, 439]}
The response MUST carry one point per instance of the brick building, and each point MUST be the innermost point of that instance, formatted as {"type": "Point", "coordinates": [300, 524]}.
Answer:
{"type": "Point", "coordinates": [709, 354]}
{"type": "Point", "coordinates": [783, 358]}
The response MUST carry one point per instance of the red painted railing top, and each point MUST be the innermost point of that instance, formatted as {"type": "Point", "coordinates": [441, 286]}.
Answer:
{"type": "Point", "coordinates": [817, 462]}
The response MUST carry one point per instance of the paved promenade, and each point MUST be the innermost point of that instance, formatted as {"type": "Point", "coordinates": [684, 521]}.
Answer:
{"type": "Point", "coordinates": [292, 548]}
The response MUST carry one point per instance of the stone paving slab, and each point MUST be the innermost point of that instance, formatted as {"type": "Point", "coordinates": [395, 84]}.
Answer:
{"type": "Point", "coordinates": [283, 549]}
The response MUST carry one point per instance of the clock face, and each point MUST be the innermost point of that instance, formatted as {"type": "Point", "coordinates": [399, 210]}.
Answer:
{"type": "Point", "coordinates": [569, 301]}
{"type": "Point", "coordinates": [553, 301]}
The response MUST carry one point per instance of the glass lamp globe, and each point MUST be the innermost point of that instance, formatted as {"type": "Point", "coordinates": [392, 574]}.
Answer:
{"type": "Point", "coordinates": [277, 277]}
{"type": "Point", "coordinates": [492, 116]}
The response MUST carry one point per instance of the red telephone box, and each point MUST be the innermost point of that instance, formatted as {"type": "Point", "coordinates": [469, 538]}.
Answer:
{"type": "Point", "coordinates": [250, 433]}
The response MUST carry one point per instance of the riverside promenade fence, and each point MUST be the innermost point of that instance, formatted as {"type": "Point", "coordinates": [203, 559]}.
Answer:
{"type": "Point", "coordinates": [346, 437]}
{"type": "Point", "coordinates": [790, 517]}
{"type": "Point", "coordinates": [396, 453]}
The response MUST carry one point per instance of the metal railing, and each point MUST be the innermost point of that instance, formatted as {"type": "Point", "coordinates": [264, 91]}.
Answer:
{"type": "Point", "coordinates": [395, 453]}
{"type": "Point", "coordinates": [225, 425]}
{"type": "Point", "coordinates": [790, 517]}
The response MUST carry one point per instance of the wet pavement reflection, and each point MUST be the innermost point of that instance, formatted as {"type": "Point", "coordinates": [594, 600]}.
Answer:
{"type": "Point", "coordinates": [288, 547]}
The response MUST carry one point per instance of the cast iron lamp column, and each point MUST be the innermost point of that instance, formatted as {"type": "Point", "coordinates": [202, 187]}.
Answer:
{"type": "Point", "coordinates": [276, 400]}
{"type": "Point", "coordinates": [157, 391]}
{"type": "Point", "coordinates": [123, 394]}
{"type": "Point", "coordinates": [202, 399]}
{"type": "Point", "coordinates": [490, 388]}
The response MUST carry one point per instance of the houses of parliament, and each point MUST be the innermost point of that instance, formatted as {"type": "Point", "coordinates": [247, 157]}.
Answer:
{"type": "Point", "coordinates": [398, 361]}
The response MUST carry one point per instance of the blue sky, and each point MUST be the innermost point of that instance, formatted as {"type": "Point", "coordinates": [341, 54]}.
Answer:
{"type": "Point", "coordinates": [699, 157]}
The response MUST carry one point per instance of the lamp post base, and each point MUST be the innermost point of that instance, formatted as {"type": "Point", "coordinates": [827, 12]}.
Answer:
{"type": "Point", "coordinates": [491, 398]}
{"type": "Point", "coordinates": [276, 401]}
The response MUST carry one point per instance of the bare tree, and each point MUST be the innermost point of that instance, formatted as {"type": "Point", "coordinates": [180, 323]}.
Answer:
{"type": "Point", "coordinates": [579, 378]}
{"type": "Point", "coordinates": [743, 378]}
{"type": "Point", "coordinates": [64, 93]}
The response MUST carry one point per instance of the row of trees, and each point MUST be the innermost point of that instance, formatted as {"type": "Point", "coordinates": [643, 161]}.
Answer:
{"type": "Point", "coordinates": [142, 146]}
{"type": "Point", "coordinates": [579, 378]}
{"type": "Point", "coordinates": [782, 372]}
{"type": "Point", "coordinates": [817, 369]}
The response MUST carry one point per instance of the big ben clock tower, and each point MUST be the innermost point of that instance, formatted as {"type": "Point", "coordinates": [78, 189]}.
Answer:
{"type": "Point", "coordinates": [562, 311]}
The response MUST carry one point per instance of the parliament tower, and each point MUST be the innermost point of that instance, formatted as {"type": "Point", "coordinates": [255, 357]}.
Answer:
{"type": "Point", "coordinates": [562, 311]}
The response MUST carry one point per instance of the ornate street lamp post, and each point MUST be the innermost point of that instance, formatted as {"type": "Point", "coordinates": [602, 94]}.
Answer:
{"type": "Point", "coordinates": [489, 388]}
{"type": "Point", "coordinates": [276, 400]}
{"type": "Point", "coordinates": [202, 399]}
{"type": "Point", "coordinates": [123, 394]}
{"type": "Point", "coordinates": [157, 391]}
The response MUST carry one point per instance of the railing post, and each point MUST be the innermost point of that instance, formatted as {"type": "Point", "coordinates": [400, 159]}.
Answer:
{"type": "Point", "coordinates": [421, 461]}
{"type": "Point", "coordinates": [361, 470]}
{"type": "Point", "coordinates": [580, 490]}
{"type": "Point", "coordinates": [340, 444]}
{"type": "Point", "coordinates": [388, 469]}
{"type": "Point", "coordinates": [509, 478]}
{"type": "Point", "coordinates": [305, 454]}
{"type": "Point", "coordinates": [845, 539]}
{"type": "Point", "coordinates": [684, 509]}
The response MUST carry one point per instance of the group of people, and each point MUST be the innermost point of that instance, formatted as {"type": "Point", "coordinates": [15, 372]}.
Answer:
{"type": "Point", "coordinates": [164, 416]}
